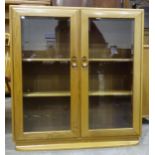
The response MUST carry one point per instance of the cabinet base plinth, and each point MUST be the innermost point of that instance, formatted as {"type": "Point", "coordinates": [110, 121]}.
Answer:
{"type": "Point", "coordinates": [79, 145]}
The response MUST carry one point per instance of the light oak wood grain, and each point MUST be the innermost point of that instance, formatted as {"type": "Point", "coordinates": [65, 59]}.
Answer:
{"type": "Point", "coordinates": [145, 107]}
{"type": "Point", "coordinates": [79, 135]}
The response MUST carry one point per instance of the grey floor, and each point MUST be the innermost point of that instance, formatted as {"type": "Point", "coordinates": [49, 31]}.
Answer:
{"type": "Point", "coordinates": [141, 149]}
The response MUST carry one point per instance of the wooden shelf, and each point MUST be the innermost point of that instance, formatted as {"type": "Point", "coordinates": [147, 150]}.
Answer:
{"type": "Point", "coordinates": [110, 93]}
{"type": "Point", "coordinates": [111, 59]}
{"type": "Point", "coordinates": [67, 59]}
{"type": "Point", "coordinates": [45, 59]}
{"type": "Point", "coordinates": [47, 94]}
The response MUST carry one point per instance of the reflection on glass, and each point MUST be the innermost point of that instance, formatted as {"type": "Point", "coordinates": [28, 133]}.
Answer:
{"type": "Point", "coordinates": [110, 112]}
{"type": "Point", "coordinates": [46, 114]}
{"type": "Point", "coordinates": [46, 76]}
{"type": "Point", "coordinates": [110, 76]}
{"type": "Point", "coordinates": [111, 38]}
{"type": "Point", "coordinates": [43, 40]}
{"type": "Point", "coordinates": [45, 37]}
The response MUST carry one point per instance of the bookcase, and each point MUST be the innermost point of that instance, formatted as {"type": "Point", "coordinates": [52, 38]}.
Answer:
{"type": "Point", "coordinates": [76, 77]}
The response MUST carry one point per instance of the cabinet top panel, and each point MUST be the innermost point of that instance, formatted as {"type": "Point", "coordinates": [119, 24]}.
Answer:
{"type": "Point", "coordinates": [73, 8]}
{"type": "Point", "coordinates": [52, 11]}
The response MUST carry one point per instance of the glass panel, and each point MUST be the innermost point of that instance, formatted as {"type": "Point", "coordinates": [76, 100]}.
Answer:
{"type": "Point", "coordinates": [46, 73]}
{"type": "Point", "coordinates": [46, 114]}
{"type": "Point", "coordinates": [111, 38]}
{"type": "Point", "coordinates": [111, 44]}
{"type": "Point", "coordinates": [110, 112]}
{"type": "Point", "coordinates": [110, 76]}
{"type": "Point", "coordinates": [46, 77]}
{"type": "Point", "coordinates": [45, 37]}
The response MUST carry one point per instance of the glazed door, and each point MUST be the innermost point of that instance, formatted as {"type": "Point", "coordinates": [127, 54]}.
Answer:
{"type": "Point", "coordinates": [46, 73]}
{"type": "Point", "coordinates": [110, 72]}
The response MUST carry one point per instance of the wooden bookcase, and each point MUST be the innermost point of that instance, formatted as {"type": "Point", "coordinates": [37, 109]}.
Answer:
{"type": "Point", "coordinates": [77, 80]}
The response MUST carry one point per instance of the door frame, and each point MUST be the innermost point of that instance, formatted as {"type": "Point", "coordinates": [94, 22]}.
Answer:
{"type": "Point", "coordinates": [16, 59]}
{"type": "Point", "coordinates": [138, 16]}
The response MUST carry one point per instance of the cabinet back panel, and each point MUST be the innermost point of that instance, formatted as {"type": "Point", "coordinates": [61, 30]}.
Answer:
{"type": "Point", "coordinates": [46, 114]}
{"type": "Point", "coordinates": [110, 76]}
{"type": "Point", "coordinates": [46, 76]}
{"type": "Point", "coordinates": [110, 112]}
